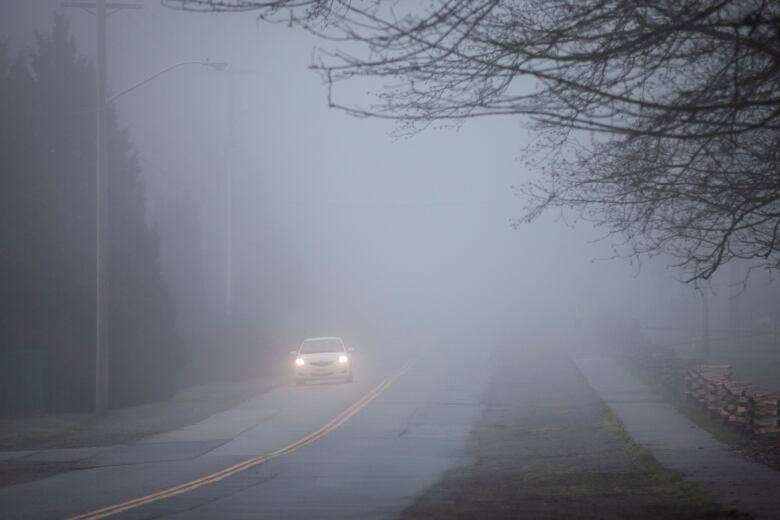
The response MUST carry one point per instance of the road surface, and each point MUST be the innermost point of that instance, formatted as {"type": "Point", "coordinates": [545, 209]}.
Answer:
{"type": "Point", "coordinates": [365, 449]}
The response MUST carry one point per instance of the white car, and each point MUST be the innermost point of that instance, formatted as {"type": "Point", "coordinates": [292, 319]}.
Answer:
{"type": "Point", "coordinates": [322, 358]}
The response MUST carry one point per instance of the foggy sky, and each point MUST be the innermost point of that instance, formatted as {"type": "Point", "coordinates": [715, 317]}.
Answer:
{"type": "Point", "coordinates": [398, 232]}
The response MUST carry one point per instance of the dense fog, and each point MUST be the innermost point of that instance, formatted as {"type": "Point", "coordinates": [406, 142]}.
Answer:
{"type": "Point", "coordinates": [341, 225]}
{"type": "Point", "coordinates": [370, 259]}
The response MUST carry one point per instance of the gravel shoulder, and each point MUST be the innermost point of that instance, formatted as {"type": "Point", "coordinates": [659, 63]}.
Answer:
{"type": "Point", "coordinates": [548, 447]}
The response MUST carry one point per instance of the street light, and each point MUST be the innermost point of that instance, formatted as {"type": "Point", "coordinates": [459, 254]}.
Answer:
{"type": "Point", "coordinates": [219, 66]}
{"type": "Point", "coordinates": [102, 224]}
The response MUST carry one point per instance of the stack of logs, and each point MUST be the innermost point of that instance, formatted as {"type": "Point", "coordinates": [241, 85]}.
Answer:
{"type": "Point", "coordinates": [738, 403]}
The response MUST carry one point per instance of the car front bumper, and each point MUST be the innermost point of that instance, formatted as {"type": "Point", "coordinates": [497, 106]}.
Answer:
{"type": "Point", "coordinates": [330, 372]}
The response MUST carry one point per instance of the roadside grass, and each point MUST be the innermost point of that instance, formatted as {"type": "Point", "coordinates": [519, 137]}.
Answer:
{"type": "Point", "coordinates": [657, 477]}
{"type": "Point", "coordinates": [645, 476]}
{"type": "Point", "coordinates": [74, 430]}
{"type": "Point", "coordinates": [558, 452]}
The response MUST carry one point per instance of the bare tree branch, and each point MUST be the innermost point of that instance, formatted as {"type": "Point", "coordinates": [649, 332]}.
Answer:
{"type": "Point", "coordinates": [679, 100]}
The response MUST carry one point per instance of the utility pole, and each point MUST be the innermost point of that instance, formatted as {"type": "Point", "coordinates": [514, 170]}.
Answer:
{"type": "Point", "coordinates": [101, 228]}
{"type": "Point", "coordinates": [229, 169]}
{"type": "Point", "coordinates": [101, 198]}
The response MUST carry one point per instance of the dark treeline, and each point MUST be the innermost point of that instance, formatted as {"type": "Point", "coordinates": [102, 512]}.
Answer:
{"type": "Point", "coordinates": [47, 225]}
{"type": "Point", "coordinates": [166, 328]}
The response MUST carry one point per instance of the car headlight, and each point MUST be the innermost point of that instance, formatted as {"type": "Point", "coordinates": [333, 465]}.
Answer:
{"type": "Point", "coordinates": [343, 359]}
{"type": "Point", "coordinates": [299, 361]}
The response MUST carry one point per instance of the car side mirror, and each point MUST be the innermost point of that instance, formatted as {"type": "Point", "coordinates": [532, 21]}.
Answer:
{"type": "Point", "coordinates": [293, 352]}
{"type": "Point", "coordinates": [350, 349]}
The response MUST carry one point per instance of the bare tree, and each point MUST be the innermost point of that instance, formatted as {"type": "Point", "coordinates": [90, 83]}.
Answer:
{"type": "Point", "coordinates": [662, 116]}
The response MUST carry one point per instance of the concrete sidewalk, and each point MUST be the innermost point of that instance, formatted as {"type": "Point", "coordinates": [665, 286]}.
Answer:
{"type": "Point", "coordinates": [680, 445]}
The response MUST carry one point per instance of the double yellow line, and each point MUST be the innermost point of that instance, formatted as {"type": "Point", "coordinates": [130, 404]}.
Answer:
{"type": "Point", "coordinates": [249, 463]}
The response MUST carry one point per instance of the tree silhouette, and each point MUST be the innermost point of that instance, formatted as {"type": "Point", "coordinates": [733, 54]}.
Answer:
{"type": "Point", "coordinates": [47, 225]}
{"type": "Point", "coordinates": [656, 119]}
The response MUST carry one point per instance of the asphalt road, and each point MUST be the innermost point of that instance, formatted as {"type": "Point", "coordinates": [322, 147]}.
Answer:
{"type": "Point", "coordinates": [365, 449]}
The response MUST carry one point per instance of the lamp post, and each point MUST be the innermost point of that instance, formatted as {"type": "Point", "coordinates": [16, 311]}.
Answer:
{"type": "Point", "coordinates": [102, 347]}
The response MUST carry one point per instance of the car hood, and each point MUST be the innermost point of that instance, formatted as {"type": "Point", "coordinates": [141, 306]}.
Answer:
{"type": "Point", "coordinates": [324, 356]}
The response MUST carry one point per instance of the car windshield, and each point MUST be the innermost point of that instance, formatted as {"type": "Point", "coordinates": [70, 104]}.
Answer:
{"type": "Point", "coordinates": [319, 346]}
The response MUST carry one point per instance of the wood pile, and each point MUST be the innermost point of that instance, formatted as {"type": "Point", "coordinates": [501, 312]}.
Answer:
{"type": "Point", "coordinates": [739, 403]}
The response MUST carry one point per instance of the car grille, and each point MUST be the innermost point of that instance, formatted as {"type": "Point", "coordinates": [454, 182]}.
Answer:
{"type": "Point", "coordinates": [321, 363]}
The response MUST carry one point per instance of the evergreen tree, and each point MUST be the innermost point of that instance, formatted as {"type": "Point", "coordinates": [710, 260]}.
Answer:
{"type": "Point", "coordinates": [47, 149]}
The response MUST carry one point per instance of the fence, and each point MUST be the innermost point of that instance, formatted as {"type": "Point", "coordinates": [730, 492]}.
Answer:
{"type": "Point", "coordinates": [736, 402]}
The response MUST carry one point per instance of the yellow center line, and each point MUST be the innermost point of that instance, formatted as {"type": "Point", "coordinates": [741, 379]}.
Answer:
{"type": "Point", "coordinates": [251, 462]}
